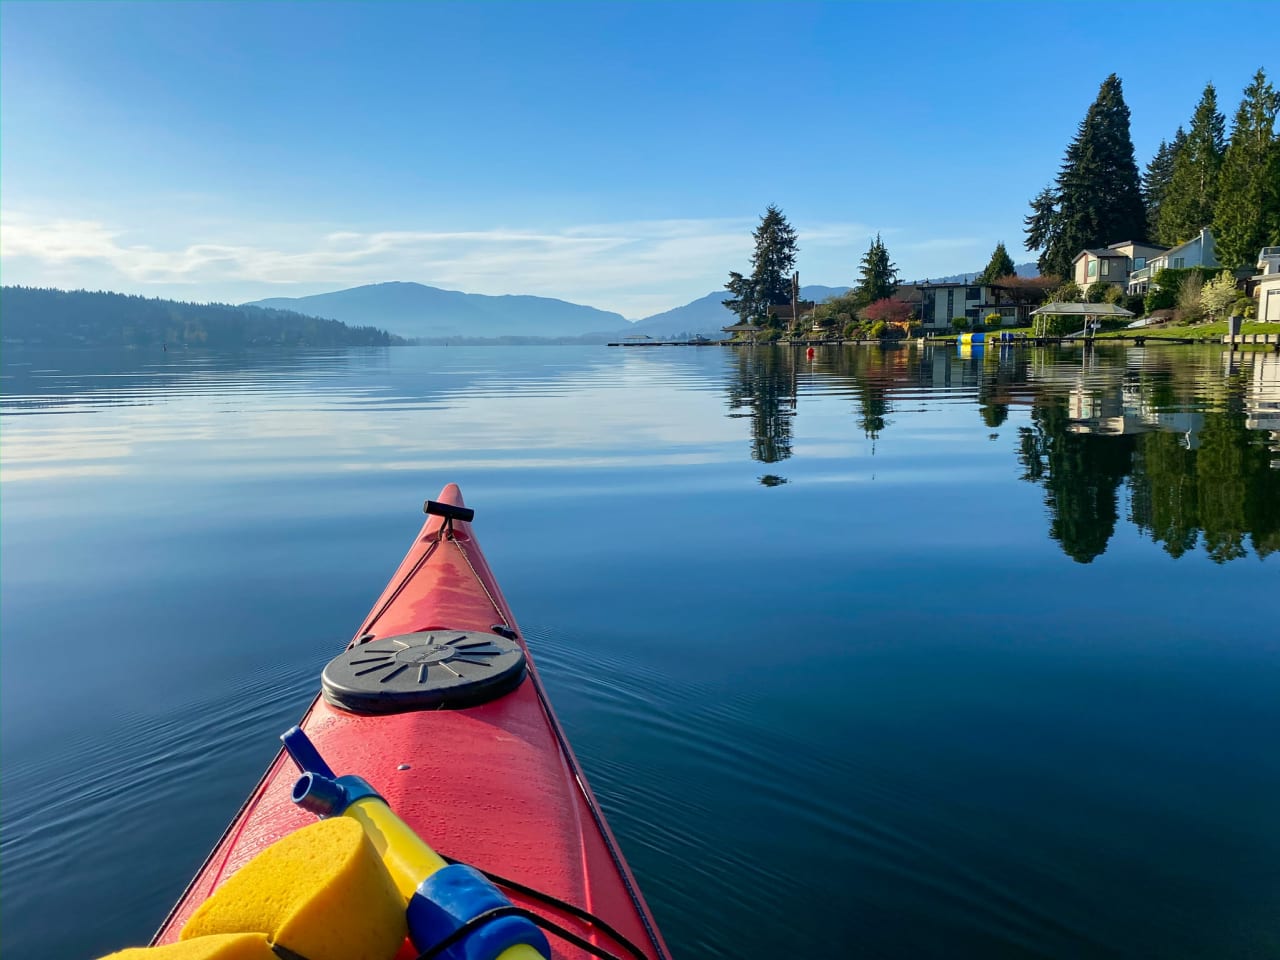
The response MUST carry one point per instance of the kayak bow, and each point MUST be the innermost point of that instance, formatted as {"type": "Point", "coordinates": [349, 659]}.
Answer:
{"type": "Point", "coordinates": [437, 704]}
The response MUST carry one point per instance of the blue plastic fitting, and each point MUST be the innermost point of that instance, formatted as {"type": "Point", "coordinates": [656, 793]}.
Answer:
{"type": "Point", "coordinates": [304, 753]}
{"type": "Point", "coordinates": [330, 797]}
{"type": "Point", "coordinates": [456, 894]}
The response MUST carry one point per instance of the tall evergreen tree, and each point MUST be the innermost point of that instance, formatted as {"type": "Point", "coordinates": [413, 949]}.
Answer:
{"type": "Point", "coordinates": [1098, 198]}
{"type": "Point", "coordinates": [1193, 188]}
{"type": "Point", "coordinates": [1043, 226]}
{"type": "Point", "coordinates": [1247, 217]}
{"type": "Point", "coordinates": [771, 265]}
{"type": "Point", "coordinates": [1155, 180]}
{"type": "Point", "coordinates": [1000, 265]}
{"type": "Point", "coordinates": [877, 276]}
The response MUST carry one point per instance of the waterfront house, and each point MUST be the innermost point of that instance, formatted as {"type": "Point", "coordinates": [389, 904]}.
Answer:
{"type": "Point", "coordinates": [1113, 263]}
{"type": "Point", "coordinates": [1199, 251]}
{"type": "Point", "coordinates": [940, 303]}
{"type": "Point", "coordinates": [1267, 285]}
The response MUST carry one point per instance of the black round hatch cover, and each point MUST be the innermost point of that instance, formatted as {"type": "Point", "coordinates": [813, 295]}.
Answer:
{"type": "Point", "coordinates": [421, 671]}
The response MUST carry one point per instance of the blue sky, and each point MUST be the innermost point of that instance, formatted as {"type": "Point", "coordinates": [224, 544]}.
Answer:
{"type": "Point", "coordinates": [606, 153]}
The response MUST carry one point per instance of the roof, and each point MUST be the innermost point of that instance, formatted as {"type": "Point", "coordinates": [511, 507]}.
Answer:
{"type": "Point", "coordinates": [1204, 231]}
{"type": "Point", "coordinates": [1137, 243]}
{"type": "Point", "coordinates": [1082, 310]}
{"type": "Point", "coordinates": [1096, 252]}
{"type": "Point", "coordinates": [743, 326]}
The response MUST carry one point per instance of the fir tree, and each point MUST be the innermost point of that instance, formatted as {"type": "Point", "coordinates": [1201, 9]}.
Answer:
{"type": "Point", "coordinates": [1097, 196]}
{"type": "Point", "coordinates": [1000, 265]}
{"type": "Point", "coordinates": [1193, 188]}
{"type": "Point", "coordinates": [877, 276]}
{"type": "Point", "coordinates": [1155, 180]}
{"type": "Point", "coordinates": [771, 267]}
{"type": "Point", "coordinates": [1043, 226]}
{"type": "Point", "coordinates": [1247, 217]}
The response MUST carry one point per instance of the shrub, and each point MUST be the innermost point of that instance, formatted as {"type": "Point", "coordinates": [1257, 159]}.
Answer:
{"type": "Point", "coordinates": [850, 331]}
{"type": "Point", "coordinates": [1190, 305]}
{"type": "Point", "coordinates": [1113, 294]}
{"type": "Point", "coordinates": [1059, 325]}
{"type": "Point", "coordinates": [1096, 291]}
{"type": "Point", "coordinates": [1134, 304]}
{"type": "Point", "coordinates": [993, 319]}
{"type": "Point", "coordinates": [1069, 292]}
{"type": "Point", "coordinates": [1244, 306]}
{"type": "Point", "coordinates": [878, 330]}
{"type": "Point", "coordinates": [1160, 298]}
{"type": "Point", "coordinates": [959, 323]}
{"type": "Point", "coordinates": [1219, 294]}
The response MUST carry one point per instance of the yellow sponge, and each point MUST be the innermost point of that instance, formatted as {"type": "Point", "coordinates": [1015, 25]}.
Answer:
{"type": "Point", "coordinates": [226, 946]}
{"type": "Point", "coordinates": [321, 892]}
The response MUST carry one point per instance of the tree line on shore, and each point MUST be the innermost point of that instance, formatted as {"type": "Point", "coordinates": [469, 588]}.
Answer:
{"type": "Point", "coordinates": [1197, 179]}
{"type": "Point", "coordinates": [83, 318]}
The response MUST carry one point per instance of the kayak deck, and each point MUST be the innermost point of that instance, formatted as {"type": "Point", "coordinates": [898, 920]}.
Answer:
{"type": "Point", "coordinates": [494, 785]}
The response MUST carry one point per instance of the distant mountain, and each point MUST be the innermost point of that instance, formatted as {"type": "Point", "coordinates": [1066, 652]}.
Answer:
{"type": "Point", "coordinates": [421, 312]}
{"type": "Point", "coordinates": [1022, 269]}
{"type": "Point", "coordinates": [708, 315]}
{"type": "Point", "coordinates": [80, 318]}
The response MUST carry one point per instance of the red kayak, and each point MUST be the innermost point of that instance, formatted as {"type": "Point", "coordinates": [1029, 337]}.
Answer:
{"type": "Point", "coordinates": [437, 704]}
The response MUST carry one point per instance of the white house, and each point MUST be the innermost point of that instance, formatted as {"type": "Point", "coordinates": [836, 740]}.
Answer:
{"type": "Point", "coordinates": [940, 303]}
{"type": "Point", "coordinates": [1113, 263]}
{"type": "Point", "coordinates": [1268, 285]}
{"type": "Point", "coordinates": [1199, 251]}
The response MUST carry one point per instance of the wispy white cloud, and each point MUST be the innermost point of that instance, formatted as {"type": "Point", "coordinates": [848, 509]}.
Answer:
{"type": "Point", "coordinates": [635, 267]}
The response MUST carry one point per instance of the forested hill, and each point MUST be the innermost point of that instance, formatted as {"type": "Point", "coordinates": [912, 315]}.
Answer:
{"type": "Point", "coordinates": [81, 318]}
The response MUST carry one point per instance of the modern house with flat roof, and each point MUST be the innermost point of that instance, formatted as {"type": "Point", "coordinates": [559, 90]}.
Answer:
{"type": "Point", "coordinates": [1199, 251]}
{"type": "Point", "coordinates": [1113, 263]}
{"type": "Point", "coordinates": [940, 303]}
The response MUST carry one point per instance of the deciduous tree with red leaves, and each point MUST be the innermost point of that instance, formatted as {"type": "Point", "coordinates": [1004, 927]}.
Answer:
{"type": "Point", "coordinates": [888, 310]}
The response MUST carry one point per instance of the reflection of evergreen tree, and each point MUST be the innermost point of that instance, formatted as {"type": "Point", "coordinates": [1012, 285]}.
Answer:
{"type": "Point", "coordinates": [992, 388]}
{"type": "Point", "coordinates": [1214, 485]}
{"type": "Point", "coordinates": [1081, 474]}
{"type": "Point", "coordinates": [873, 404]}
{"type": "Point", "coordinates": [764, 385]}
{"type": "Point", "coordinates": [994, 414]}
{"type": "Point", "coordinates": [871, 387]}
{"type": "Point", "coordinates": [1164, 501]}
{"type": "Point", "coordinates": [1225, 490]}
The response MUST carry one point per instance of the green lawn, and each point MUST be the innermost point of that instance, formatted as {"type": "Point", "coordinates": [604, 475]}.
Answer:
{"type": "Point", "coordinates": [1203, 331]}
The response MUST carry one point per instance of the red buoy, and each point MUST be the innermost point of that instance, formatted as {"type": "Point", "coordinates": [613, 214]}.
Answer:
{"type": "Point", "coordinates": [809, 354]}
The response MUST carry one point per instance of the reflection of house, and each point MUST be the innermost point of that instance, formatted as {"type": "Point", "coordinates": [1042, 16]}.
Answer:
{"type": "Point", "coordinates": [1199, 251]}
{"type": "Point", "coordinates": [1261, 394]}
{"type": "Point", "coordinates": [940, 303]}
{"type": "Point", "coordinates": [1122, 409]}
{"type": "Point", "coordinates": [1267, 288]}
{"type": "Point", "coordinates": [1114, 263]}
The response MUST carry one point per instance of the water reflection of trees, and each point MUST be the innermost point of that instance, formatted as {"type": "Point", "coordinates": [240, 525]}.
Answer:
{"type": "Point", "coordinates": [1213, 485]}
{"type": "Point", "coordinates": [763, 387]}
{"type": "Point", "coordinates": [1164, 440]}
{"type": "Point", "coordinates": [1081, 474]}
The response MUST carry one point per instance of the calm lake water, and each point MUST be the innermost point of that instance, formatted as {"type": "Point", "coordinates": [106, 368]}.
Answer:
{"type": "Point", "coordinates": [889, 654]}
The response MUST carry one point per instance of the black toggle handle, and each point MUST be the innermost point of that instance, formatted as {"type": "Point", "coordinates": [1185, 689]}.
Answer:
{"type": "Point", "coordinates": [448, 511]}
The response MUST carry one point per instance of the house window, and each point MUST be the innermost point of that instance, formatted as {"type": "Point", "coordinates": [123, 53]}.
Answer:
{"type": "Point", "coordinates": [1093, 268]}
{"type": "Point", "coordinates": [972, 313]}
{"type": "Point", "coordinates": [1179, 262]}
{"type": "Point", "coordinates": [1106, 268]}
{"type": "Point", "coordinates": [951, 304]}
{"type": "Point", "coordinates": [1139, 262]}
{"type": "Point", "coordinates": [972, 293]}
